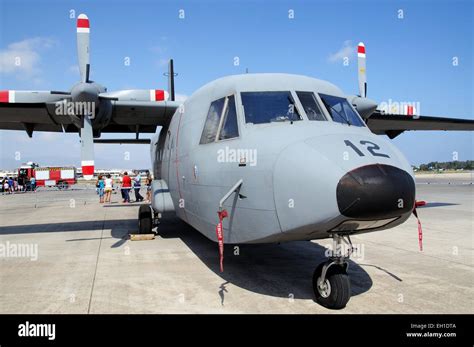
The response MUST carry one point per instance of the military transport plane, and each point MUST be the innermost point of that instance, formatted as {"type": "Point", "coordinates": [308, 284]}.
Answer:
{"type": "Point", "coordinates": [249, 158]}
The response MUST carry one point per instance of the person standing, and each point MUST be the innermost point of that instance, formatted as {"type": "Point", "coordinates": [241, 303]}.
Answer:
{"type": "Point", "coordinates": [108, 188]}
{"type": "Point", "coordinates": [6, 187]}
{"type": "Point", "coordinates": [21, 183]}
{"type": "Point", "coordinates": [121, 184]}
{"type": "Point", "coordinates": [11, 185]}
{"type": "Point", "coordinates": [126, 186]}
{"type": "Point", "coordinates": [148, 187]}
{"type": "Point", "coordinates": [33, 184]}
{"type": "Point", "coordinates": [100, 188]}
{"type": "Point", "coordinates": [137, 183]}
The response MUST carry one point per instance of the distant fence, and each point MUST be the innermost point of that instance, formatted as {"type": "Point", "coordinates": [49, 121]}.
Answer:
{"type": "Point", "coordinates": [73, 196]}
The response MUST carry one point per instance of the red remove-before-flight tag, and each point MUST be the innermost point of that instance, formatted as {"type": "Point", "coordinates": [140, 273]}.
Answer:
{"type": "Point", "coordinates": [420, 231]}
{"type": "Point", "coordinates": [220, 237]}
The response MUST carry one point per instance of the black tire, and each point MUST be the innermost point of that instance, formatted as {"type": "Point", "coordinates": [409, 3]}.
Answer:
{"type": "Point", "coordinates": [63, 185]}
{"type": "Point", "coordinates": [145, 219]}
{"type": "Point", "coordinates": [338, 292]}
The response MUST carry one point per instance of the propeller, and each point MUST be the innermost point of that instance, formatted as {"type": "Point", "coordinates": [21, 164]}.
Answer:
{"type": "Point", "coordinates": [364, 106]}
{"type": "Point", "coordinates": [136, 95]}
{"type": "Point", "coordinates": [31, 96]}
{"type": "Point", "coordinates": [361, 70]}
{"type": "Point", "coordinates": [83, 39]}
{"type": "Point", "coordinates": [87, 92]}
{"type": "Point", "coordinates": [87, 149]}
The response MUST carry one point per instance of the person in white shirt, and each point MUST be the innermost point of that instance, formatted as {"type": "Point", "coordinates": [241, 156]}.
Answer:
{"type": "Point", "coordinates": [109, 183]}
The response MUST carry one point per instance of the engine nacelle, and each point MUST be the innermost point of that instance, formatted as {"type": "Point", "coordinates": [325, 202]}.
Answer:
{"type": "Point", "coordinates": [85, 101]}
{"type": "Point", "coordinates": [364, 106]}
{"type": "Point", "coordinates": [161, 200]}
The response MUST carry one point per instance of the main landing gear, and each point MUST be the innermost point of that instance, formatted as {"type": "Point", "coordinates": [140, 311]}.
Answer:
{"type": "Point", "coordinates": [331, 284]}
{"type": "Point", "coordinates": [147, 219]}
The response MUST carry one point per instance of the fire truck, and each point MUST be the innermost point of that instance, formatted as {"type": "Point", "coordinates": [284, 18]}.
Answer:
{"type": "Point", "coordinates": [48, 176]}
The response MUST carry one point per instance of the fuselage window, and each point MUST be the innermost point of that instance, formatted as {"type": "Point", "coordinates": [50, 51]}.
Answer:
{"type": "Point", "coordinates": [266, 107]}
{"type": "Point", "coordinates": [221, 122]}
{"type": "Point", "coordinates": [310, 105]}
{"type": "Point", "coordinates": [341, 111]}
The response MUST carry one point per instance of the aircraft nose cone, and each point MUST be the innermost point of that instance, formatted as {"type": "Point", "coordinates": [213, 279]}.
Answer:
{"type": "Point", "coordinates": [375, 192]}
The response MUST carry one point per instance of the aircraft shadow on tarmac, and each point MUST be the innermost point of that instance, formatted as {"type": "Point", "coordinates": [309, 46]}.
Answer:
{"type": "Point", "coordinates": [280, 270]}
{"type": "Point", "coordinates": [437, 204]}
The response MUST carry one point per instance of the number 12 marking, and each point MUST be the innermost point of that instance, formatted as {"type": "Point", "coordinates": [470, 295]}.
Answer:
{"type": "Point", "coordinates": [371, 147]}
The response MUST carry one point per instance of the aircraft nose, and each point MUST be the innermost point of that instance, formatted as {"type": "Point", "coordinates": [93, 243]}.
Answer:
{"type": "Point", "coordinates": [375, 192]}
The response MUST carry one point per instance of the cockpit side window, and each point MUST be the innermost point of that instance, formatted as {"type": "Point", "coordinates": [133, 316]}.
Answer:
{"type": "Point", "coordinates": [212, 122]}
{"type": "Point", "coordinates": [341, 111]}
{"type": "Point", "coordinates": [221, 121]}
{"type": "Point", "coordinates": [267, 107]}
{"type": "Point", "coordinates": [310, 105]}
{"type": "Point", "coordinates": [229, 128]}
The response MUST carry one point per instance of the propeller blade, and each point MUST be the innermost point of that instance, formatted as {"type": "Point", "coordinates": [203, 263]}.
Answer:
{"type": "Point", "coordinates": [83, 32]}
{"type": "Point", "coordinates": [136, 95]}
{"type": "Point", "coordinates": [31, 96]}
{"type": "Point", "coordinates": [361, 70]}
{"type": "Point", "coordinates": [87, 149]}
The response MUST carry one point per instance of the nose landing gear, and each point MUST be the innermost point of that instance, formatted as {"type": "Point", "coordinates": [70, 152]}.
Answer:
{"type": "Point", "coordinates": [331, 284]}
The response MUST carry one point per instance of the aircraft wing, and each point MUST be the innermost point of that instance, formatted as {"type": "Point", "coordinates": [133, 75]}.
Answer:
{"type": "Point", "coordinates": [125, 116]}
{"type": "Point", "coordinates": [393, 125]}
{"type": "Point", "coordinates": [140, 116]}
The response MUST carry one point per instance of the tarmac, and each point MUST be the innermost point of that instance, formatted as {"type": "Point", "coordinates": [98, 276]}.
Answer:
{"type": "Point", "coordinates": [77, 259]}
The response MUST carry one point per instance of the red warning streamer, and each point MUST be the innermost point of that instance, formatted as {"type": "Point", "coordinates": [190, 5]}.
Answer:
{"type": "Point", "coordinates": [420, 231]}
{"type": "Point", "coordinates": [220, 237]}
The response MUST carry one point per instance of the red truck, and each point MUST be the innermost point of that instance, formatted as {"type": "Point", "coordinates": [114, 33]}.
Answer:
{"type": "Point", "coordinates": [49, 176]}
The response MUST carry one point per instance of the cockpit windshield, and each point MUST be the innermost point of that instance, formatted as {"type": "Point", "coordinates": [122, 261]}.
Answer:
{"type": "Point", "coordinates": [267, 107]}
{"type": "Point", "coordinates": [341, 111]}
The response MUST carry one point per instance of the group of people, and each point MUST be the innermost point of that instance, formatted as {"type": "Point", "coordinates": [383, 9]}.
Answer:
{"type": "Point", "coordinates": [105, 187]}
{"type": "Point", "coordinates": [11, 185]}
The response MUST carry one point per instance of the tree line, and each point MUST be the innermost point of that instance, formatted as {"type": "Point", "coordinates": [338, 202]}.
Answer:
{"type": "Point", "coordinates": [448, 165]}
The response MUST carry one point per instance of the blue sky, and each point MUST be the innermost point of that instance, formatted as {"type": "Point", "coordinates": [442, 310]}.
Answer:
{"type": "Point", "coordinates": [408, 59]}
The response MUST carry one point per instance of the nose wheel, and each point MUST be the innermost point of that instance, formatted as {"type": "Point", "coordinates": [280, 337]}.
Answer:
{"type": "Point", "coordinates": [331, 284]}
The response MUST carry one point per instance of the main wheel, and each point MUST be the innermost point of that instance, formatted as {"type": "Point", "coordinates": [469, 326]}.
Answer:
{"type": "Point", "coordinates": [335, 291]}
{"type": "Point", "coordinates": [145, 219]}
{"type": "Point", "coordinates": [63, 185]}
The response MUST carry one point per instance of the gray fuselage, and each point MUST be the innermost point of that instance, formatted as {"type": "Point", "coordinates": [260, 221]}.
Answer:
{"type": "Point", "coordinates": [293, 171]}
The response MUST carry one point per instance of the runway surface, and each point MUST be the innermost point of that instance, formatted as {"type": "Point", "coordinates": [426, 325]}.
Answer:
{"type": "Point", "coordinates": [85, 263]}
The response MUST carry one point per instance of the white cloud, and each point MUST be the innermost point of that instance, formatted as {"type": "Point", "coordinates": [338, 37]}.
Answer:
{"type": "Point", "coordinates": [161, 54]}
{"type": "Point", "coordinates": [180, 97]}
{"type": "Point", "coordinates": [22, 58]}
{"type": "Point", "coordinates": [162, 62]}
{"type": "Point", "coordinates": [49, 136]}
{"type": "Point", "coordinates": [347, 50]}
{"type": "Point", "coordinates": [74, 69]}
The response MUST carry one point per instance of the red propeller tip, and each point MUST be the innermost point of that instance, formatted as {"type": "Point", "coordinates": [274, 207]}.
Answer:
{"type": "Point", "coordinates": [83, 24]}
{"type": "Point", "coordinates": [7, 96]}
